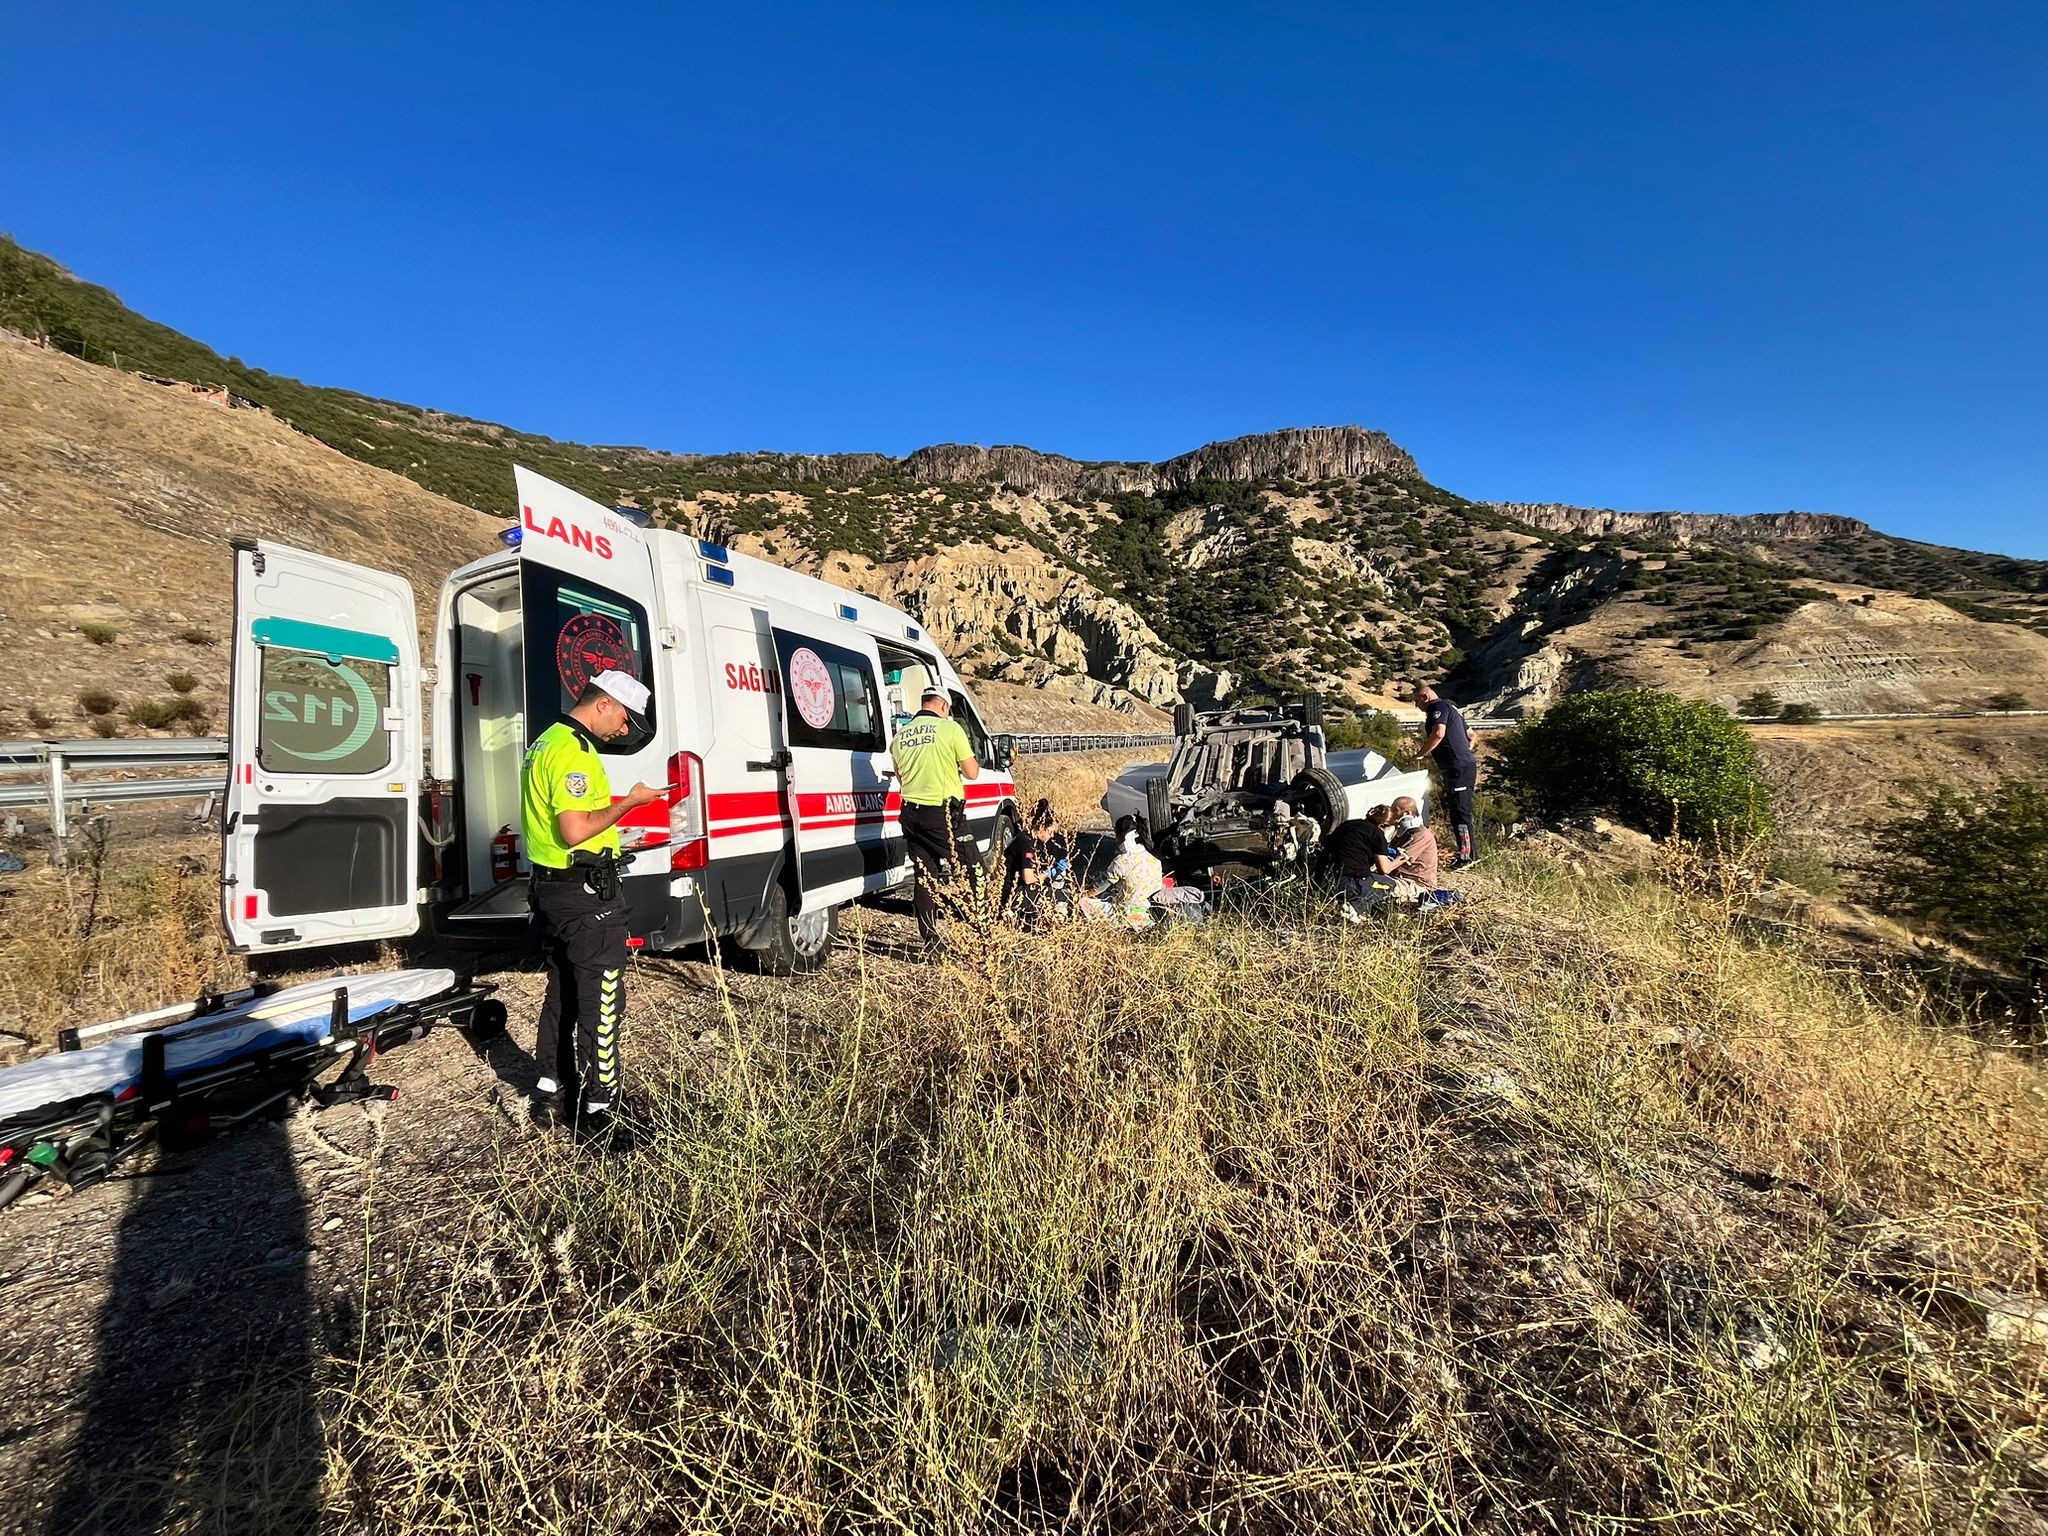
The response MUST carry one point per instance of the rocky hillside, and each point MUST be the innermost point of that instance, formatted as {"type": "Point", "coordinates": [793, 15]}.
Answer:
{"type": "Point", "coordinates": [1315, 557]}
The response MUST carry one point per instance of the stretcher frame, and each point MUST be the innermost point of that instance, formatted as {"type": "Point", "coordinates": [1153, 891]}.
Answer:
{"type": "Point", "coordinates": [81, 1141]}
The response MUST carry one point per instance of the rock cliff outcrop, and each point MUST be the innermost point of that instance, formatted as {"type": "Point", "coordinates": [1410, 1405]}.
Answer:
{"type": "Point", "coordinates": [1295, 453]}
{"type": "Point", "coordinates": [1026, 469]}
{"type": "Point", "coordinates": [1680, 527]}
{"type": "Point", "coordinates": [1029, 619]}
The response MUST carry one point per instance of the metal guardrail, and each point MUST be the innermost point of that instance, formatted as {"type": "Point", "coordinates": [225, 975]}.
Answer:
{"type": "Point", "coordinates": [56, 763]}
{"type": "Point", "coordinates": [1043, 745]}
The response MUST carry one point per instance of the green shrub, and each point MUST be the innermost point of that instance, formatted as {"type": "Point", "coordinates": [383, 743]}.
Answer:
{"type": "Point", "coordinates": [181, 681]}
{"type": "Point", "coordinates": [1799, 714]}
{"type": "Point", "coordinates": [1641, 756]}
{"type": "Point", "coordinates": [196, 636]}
{"type": "Point", "coordinates": [1762, 703]}
{"type": "Point", "coordinates": [98, 634]}
{"type": "Point", "coordinates": [105, 725]}
{"type": "Point", "coordinates": [1806, 867]}
{"type": "Point", "coordinates": [97, 701]}
{"type": "Point", "coordinates": [150, 714]}
{"type": "Point", "coordinates": [189, 711]}
{"type": "Point", "coordinates": [1970, 861]}
{"type": "Point", "coordinates": [1375, 729]}
{"type": "Point", "coordinates": [39, 719]}
{"type": "Point", "coordinates": [2006, 702]}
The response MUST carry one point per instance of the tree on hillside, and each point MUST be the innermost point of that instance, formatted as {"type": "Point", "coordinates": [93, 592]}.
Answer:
{"type": "Point", "coordinates": [1642, 756]}
{"type": "Point", "coordinates": [1970, 861]}
{"type": "Point", "coordinates": [1763, 704]}
{"type": "Point", "coordinates": [1799, 714]}
{"type": "Point", "coordinates": [2006, 701]}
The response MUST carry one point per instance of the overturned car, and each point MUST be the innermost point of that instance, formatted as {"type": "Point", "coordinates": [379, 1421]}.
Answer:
{"type": "Point", "coordinates": [1253, 792]}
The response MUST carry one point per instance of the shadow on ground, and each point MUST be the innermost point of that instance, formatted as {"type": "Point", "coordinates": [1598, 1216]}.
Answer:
{"type": "Point", "coordinates": [200, 1407]}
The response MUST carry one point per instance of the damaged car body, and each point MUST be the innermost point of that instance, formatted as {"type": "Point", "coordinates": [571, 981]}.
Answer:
{"type": "Point", "coordinates": [1251, 793]}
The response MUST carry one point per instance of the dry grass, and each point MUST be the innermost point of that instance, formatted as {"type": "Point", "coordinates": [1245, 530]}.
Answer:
{"type": "Point", "coordinates": [1583, 1213]}
{"type": "Point", "coordinates": [127, 924]}
{"type": "Point", "coordinates": [1074, 782]}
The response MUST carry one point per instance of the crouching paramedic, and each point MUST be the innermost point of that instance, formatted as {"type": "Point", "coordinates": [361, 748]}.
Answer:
{"type": "Point", "coordinates": [934, 759]}
{"type": "Point", "coordinates": [572, 839]}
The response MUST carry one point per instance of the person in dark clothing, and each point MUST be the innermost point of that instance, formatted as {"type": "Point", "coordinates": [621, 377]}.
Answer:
{"type": "Point", "coordinates": [1446, 738]}
{"type": "Point", "coordinates": [1365, 862]}
{"type": "Point", "coordinates": [934, 760]}
{"type": "Point", "coordinates": [1032, 859]}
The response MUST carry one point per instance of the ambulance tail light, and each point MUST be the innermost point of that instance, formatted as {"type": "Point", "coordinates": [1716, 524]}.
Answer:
{"type": "Point", "coordinates": [689, 843]}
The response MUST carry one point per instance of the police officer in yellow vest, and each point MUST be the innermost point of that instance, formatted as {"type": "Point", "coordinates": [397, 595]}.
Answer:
{"type": "Point", "coordinates": [933, 758]}
{"type": "Point", "coordinates": [570, 823]}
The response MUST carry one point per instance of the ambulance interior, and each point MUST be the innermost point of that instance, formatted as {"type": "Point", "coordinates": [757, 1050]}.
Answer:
{"type": "Point", "coordinates": [581, 630]}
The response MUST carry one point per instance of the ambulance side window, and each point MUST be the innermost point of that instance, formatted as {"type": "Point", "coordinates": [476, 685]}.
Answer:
{"type": "Point", "coordinates": [832, 698]}
{"type": "Point", "coordinates": [322, 715]}
{"type": "Point", "coordinates": [576, 629]}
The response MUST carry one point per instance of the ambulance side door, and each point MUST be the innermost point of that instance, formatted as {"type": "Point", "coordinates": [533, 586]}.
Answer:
{"type": "Point", "coordinates": [986, 794]}
{"type": "Point", "coordinates": [324, 739]}
{"type": "Point", "coordinates": [838, 774]}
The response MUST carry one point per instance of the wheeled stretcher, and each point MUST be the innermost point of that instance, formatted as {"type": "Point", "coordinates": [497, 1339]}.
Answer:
{"type": "Point", "coordinates": [179, 1073]}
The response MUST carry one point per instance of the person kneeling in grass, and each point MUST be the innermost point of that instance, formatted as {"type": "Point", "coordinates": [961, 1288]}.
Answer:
{"type": "Point", "coordinates": [1415, 873]}
{"type": "Point", "coordinates": [1365, 863]}
{"type": "Point", "coordinates": [1135, 877]}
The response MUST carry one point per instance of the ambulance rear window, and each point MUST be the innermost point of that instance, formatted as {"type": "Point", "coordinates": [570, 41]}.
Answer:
{"type": "Point", "coordinates": [575, 630]}
{"type": "Point", "coordinates": [322, 715]}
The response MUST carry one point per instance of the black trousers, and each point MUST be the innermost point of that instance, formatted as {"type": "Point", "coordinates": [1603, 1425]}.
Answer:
{"type": "Point", "coordinates": [583, 942]}
{"type": "Point", "coordinates": [939, 850]}
{"type": "Point", "coordinates": [1459, 784]}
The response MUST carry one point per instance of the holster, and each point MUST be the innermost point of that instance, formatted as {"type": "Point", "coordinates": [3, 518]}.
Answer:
{"type": "Point", "coordinates": [600, 873]}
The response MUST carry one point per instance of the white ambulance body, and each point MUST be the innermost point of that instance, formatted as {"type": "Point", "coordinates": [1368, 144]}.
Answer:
{"type": "Point", "coordinates": [774, 699]}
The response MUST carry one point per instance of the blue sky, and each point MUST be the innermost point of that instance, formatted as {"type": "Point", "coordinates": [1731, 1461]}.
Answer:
{"type": "Point", "coordinates": [1724, 257]}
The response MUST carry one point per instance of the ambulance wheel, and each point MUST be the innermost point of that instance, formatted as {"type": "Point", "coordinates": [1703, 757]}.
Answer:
{"type": "Point", "coordinates": [1183, 719]}
{"type": "Point", "coordinates": [796, 944]}
{"type": "Point", "coordinates": [12, 1185]}
{"type": "Point", "coordinates": [999, 842]}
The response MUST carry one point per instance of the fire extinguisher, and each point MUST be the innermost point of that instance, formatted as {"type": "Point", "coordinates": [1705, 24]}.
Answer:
{"type": "Point", "coordinates": [505, 854]}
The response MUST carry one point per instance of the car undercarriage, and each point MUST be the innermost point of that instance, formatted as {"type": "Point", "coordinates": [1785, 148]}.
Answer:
{"type": "Point", "coordinates": [1248, 793]}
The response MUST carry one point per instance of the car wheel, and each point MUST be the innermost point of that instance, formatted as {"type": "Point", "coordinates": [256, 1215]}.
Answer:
{"type": "Point", "coordinates": [797, 943]}
{"type": "Point", "coordinates": [1321, 793]}
{"type": "Point", "coordinates": [1183, 719]}
{"type": "Point", "coordinates": [1158, 807]}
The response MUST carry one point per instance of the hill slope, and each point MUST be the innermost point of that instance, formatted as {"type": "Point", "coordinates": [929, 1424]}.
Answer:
{"type": "Point", "coordinates": [1307, 558]}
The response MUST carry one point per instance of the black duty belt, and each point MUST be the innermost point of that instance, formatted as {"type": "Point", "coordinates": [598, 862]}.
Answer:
{"type": "Point", "coordinates": [573, 872]}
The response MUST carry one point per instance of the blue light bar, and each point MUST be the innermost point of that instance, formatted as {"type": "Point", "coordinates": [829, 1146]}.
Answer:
{"type": "Point", "coordinates": [637, 515]}
{"type": "Point", "coordinates": [846, 611]}
{"type": "Point", "coordinates": [713, 552]}
{"type": "Point", "coordinates": [910, 632]}
{"type": "Point", "coordinates": [509, 537]}
{"type": "Point", "coordinates": [722, 574]}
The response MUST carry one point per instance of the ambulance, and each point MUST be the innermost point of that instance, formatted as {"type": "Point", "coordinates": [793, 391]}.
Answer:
{"type": "Point", "coordinates": [366, 800]}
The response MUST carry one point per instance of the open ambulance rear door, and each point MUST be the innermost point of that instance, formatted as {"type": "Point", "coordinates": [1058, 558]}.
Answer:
{"type": "Point", "coordinates": [588, 605]}
{"type": "Point", "coordinates": [324, 735]}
